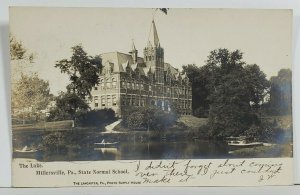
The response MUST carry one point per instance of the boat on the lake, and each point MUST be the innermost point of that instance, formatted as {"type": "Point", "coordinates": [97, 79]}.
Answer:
{"type": "Point", "coordinates": [25, 152]}
{"type": "Point", "coordinates": [105, 144]}
{"type": "Point", "coordinates": [241, 142]}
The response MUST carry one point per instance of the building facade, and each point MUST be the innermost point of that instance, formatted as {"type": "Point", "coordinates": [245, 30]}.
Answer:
{"type": "Point", "coordinates": [127, 80]}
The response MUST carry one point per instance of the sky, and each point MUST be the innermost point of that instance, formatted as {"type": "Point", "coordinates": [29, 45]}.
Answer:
{"type": "Point", "coordinates": [187, 35]}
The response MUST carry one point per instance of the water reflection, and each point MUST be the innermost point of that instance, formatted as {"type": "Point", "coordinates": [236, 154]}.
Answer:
{"type": "Point", "coordinates": [199, 149]}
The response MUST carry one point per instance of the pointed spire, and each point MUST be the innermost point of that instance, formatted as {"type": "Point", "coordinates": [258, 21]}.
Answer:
{"type": "Point", "coordinates": [133, 46]}
{"type": "Point", "coordinates": [153, 36]}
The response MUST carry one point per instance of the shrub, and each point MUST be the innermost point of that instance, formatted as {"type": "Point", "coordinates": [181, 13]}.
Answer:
{"type": "Point", "coordinates": [96, 117]}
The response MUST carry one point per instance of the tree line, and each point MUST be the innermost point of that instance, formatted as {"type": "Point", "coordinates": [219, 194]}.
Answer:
{"type": "Point", "coordinates": [231, 93]}
{"type": "Point", "coordinates": [234, 95]}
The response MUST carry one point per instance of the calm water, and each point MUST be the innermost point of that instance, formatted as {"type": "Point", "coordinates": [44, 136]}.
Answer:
{"type": "Point", "coordinates": [126, 150]}
{"type": "Point", "coordinates": [198, 149]}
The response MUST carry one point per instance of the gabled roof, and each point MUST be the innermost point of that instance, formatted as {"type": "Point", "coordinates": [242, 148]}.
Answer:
{"type": "Point", "coordinates": [169, 67]}
{"type": "Point", "coordinates": [118, 60]}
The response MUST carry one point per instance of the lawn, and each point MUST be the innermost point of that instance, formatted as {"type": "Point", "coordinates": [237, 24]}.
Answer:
{"type": "Point", "coordinates": [192, 121]}
{"type": "Point", "coordinates": [277, 150]}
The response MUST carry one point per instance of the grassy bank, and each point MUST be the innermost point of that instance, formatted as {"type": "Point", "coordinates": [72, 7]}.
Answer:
{"type": "Point", "coordinates": [66, 125]}
{"type": "Point", "coordinates": [278, 150]}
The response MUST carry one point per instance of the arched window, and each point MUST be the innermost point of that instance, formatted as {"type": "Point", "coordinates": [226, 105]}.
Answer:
{"type": "Point", "coordinates": [103, 101]}
{"type": "Point", "coordinates": [114, 83]}
{"type": "Point", "coordinates": [108, 83]}
{"type": "Point", "coordinates": [123, 84]}
{"type": "Point", "coordinates": [114, 100]}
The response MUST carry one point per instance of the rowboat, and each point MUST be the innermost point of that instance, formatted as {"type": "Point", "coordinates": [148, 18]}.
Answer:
{"type": "Point", "coordinates": [26, 150]}
{"type": "Point", "coordinates": [105, 144]}
{"type": "Point", "coordinates": [241, 142]}
{"type": "Point", "coordinates": [25, 153]}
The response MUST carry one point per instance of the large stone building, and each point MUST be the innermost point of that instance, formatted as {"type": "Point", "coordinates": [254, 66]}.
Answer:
{"type": "Point", "coordinates": [127, 80]}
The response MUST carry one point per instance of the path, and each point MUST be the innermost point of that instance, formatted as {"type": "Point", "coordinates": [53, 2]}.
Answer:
{"type": "Point", "coordinates": [192, 121]}
{"type": "Point", "coordinates": [109, 128]}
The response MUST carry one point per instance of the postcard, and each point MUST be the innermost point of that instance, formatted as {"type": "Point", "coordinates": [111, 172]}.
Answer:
{"type": "Point", "coordinates": [151, 97]}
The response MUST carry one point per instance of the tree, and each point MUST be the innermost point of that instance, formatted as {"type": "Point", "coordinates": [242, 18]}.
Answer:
{"type": "Point", "coordinates": [232, 88]}
{"type": "Point", "coordinates": [68, 106]}
{"type": "Point", "coordinates": [281, 93]}
{"type": "Point", "coordinates": [18, 51]}
{"type": "Point", "coordinates": [257, 83]}
{"type": "Point", "coordinates": [199, 78]}
{"type": "Point", "coordinates": [83, 71]}
{"type": "Point", "coordinates": [20, 59]}
{"type": "Point", "coordinates": [30, 95]}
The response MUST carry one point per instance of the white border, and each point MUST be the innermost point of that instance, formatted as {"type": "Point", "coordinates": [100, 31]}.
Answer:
{"type": "Point", "coordinates": [5, 179]}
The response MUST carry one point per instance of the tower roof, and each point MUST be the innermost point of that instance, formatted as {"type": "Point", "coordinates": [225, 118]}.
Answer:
{"type": "Point", "coordinates": [153, 36]}
{"type": "Point", "coordinates": [133, 46]}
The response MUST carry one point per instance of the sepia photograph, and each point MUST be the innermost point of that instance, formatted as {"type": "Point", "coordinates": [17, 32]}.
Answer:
{"type": "Point", "coordinates": [102, 84]}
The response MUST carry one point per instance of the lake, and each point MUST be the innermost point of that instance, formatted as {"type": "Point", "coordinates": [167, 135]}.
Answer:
{"type": "Point", "coordinates": [125, 150]}
{"type": "Point", "coordinates": [198, 149]}
{"type": "Point", "coordinates": [83, 149]}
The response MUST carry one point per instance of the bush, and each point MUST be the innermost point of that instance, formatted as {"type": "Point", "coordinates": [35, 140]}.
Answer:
{"type": "Point", "coordinates": [149, 118]}
{"type": "Point", "coordinates": [269, 132]}
{"type": "Point", "coordinates": [52, 142]}
{"type": "Point", "coordinates": [96, 117]}
{"type": "Point", "coordinates": [254, 133]}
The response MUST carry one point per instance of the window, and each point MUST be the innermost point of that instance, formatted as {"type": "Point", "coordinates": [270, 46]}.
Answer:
{"type": "Point", "coordinates": [102, 84]}
{"type": "Point", "coordinates": [142, 86]}
{"type": "Point", "coordinates": [96, 101]}
{"type": "Point", "coordinates": [128, 101]}
{"type": "Point", "coordinates": [123, 84]}
{"type": "Point", "coordinates": [123, 102]}
{"type": "Point", "coordinates": [108, 100]}
{"type": "Point", "coordinates": [133, 86]}
{"type": "Point", "coordinates": [114, 83]}
{"type": "Point", "coordinates": [150, 88]}
{"type": "Point", "coordinates": [128, 85]}
{"type": "Point", "coordinates": [114, 100]}
{"type": "Point", "coordinates": [102, 100]}
{"type": "Point", "coordinates": [108, 84]}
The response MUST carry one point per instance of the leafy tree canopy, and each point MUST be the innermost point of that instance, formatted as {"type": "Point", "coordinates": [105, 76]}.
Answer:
{"type": "Point", "coordinates": [83, 71]}
{"type": "Point", "coordinates": [30, 94]}
{"type": "Point", "coordinates": [18, 51]}
{"type": "Point", "coordinates": [281, 93]}
{"type": "Point", "coordinates": [228, 90]}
